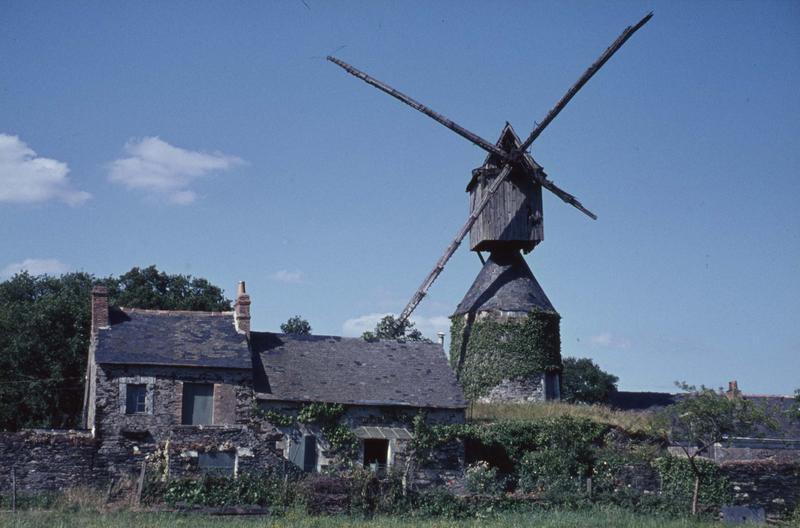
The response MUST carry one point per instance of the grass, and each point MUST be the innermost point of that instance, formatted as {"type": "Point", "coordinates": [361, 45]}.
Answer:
{"type": "Point", "coordinates": [594, 518]}
{"type": "Point", "coordinates": [633, 422]}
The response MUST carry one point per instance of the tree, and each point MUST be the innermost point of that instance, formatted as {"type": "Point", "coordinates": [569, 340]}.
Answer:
{"type": "Point", "coordinates": [44, 336]}
{"type": "Point", "coordinates": [584, 382]}
{"type": "Point", "coordinates": [150, 288]}
{"type": "Point", "coordinates": [296, 325]}
{"type": "Point", "coordinates": [390, 328]}
{"type": "Point", "coordinates": [704, 417]}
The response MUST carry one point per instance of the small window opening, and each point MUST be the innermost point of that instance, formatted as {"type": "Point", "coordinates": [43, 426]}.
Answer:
{"type": "Point", "coordinates": [135, 398]}
{"type": "Point", "coordinates": [198, 404]}
{"type": "Point", "coordinates": [217, 463]}
{"type": "Point", "coordinates": [376, 453]}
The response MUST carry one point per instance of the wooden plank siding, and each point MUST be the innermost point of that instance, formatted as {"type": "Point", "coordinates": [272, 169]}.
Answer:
{"type": "Point", "coordinates": [512, 218]}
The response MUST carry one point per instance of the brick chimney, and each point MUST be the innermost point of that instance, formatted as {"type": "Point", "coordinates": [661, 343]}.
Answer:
{"type": "Point", "coordinates": [99, 309]}
{"type": "Point", "coordinates": [241, 310]}
{"type": "Point", "coordinates": [733, 389]}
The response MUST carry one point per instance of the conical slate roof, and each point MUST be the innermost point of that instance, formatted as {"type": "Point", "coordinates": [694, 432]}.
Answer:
{"type": "Point", "coordinates": [505, 283]}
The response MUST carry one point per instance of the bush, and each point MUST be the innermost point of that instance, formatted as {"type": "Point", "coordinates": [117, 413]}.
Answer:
{"type": "Point", "coordinates": [483, 479]}
{"type": "Point", "coordinates": [677, 482]}
{"type": "Point", "coordinates": [247, 490]}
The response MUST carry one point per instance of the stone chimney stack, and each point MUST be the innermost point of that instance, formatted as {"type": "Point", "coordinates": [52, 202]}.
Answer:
{"type": "Point", "coordinates": [440, 335]}
{"type": "Point", "coordinates": [241, 310]}
{"type": "Point", "coordinates": [733, 389]}
{"type": "Point", "coordinates": [99, 309]}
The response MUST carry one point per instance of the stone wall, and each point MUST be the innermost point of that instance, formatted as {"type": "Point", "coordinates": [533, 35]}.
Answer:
{"type": "Point", "coordinates": [769, 484]}
{"type": "Point", "coordinates": [516, 391]}
{"type": "Point", "coordinates": [47, 460]}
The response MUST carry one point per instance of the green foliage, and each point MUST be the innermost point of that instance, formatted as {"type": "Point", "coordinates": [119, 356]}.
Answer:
{"type": "Point", "coordinates": [153, 289]}
{"type": "Point", "coordinates": [263, 489]}
{"type": "Point", "coordinates": [44, 336]}
{"type": "Point", "coordinates": [584, 382]}
{"type": "Point", "coordinates": [320, 413]}
{"type": "Point", "coordinates": [390, 328]}
{"type": "Point", "coordinates": [328, 417]}
{"type": "Point", "coordinates": [514, 349]}
{"type": "Point", "coordinates": [704, 417]}
{"type": "Point", "coordinates": [484, 479]}
{"type": "Point", "coordinates": [296, 325]}
{"type": "Point", "coordinates": [677, 484]}
{"type": "Point", "coordinates": [44, 341]}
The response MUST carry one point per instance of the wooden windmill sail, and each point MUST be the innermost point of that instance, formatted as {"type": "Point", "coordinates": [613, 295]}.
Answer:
{"type": "Point", "coordinates": [517, 224]}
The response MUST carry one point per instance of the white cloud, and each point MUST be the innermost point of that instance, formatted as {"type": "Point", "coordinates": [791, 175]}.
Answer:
{"type": "Point", "coordinates": [289, 277]}
{"type": "Point", "coordinates": [35, 267]}
{"type": "Point", "coordinates": [429, 326]}
{"type": "Point", "coordinates": [609, 340]}
{"type": "Point", "coordinates": [165, 171]}
{"type": "Point", "coordinates": [28, 178]}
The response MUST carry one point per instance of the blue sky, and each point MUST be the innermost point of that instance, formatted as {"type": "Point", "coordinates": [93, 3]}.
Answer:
{"type": "Point", "coordinates": [213, 139]}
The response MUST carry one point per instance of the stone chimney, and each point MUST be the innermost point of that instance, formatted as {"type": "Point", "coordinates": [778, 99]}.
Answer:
{"type": "Point", "coordinates": [99, 309]}
{"type": "Point", "coordinates": [733, 389]}
{"type": "Point", "coordinates": [440, 335]}
{"type": "Point", "coordinates": [241, 310]}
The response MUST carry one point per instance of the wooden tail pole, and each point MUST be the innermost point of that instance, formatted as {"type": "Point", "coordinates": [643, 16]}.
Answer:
{"type": "Point", "coordinates": [455, 127]}
{"type": "Point", "coordinates": [588, 74]}
{"type": "Point", "coordinates": [473, 217]}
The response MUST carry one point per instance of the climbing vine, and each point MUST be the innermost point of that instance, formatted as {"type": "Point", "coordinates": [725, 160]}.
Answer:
{"type": "Point", "coordinates": [328, 417]}
{"type": "Point", "coordinates": [516, 348]}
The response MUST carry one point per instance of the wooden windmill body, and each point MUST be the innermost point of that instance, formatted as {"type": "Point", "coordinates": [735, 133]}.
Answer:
{"type": "Point", "coordinates": [505, 301]}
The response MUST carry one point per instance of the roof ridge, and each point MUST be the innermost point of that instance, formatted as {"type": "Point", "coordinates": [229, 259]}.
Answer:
{"type": "Point", "coordinates": [175, 312]}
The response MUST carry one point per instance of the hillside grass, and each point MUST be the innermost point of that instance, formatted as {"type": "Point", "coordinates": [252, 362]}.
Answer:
{"type": "Point", "coordinates": [630, 421]}
{"type": "Point", "coordinates": [594, 518]}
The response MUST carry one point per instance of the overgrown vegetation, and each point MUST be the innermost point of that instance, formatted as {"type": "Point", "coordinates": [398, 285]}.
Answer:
{"type": "Point", "coordinates": [631, 421]}
{"type": "Point", "coordinates": [598, 517]}
{"type": "Point", "coordinates": [44, 335]}
{"type": "Point", "coordinates": [328, 417]}
{"type": "Point", "coordinates": [704, 418]}
{"type": "Point", "coordinates": [515, 349]}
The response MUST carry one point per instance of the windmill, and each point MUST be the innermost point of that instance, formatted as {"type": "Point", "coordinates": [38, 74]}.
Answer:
{"type": "Point", "coordinates": [506, 214]}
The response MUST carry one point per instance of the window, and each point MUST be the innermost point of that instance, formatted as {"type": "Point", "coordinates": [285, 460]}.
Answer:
{"type": "Point", "coordinates": [376, 453]}
{"type": "Point", "coordinates": [198, 404]}
{"type": "Point", "coordinates": [303, 454]}
{"type": "Point", "coordinates": [135, 398]}
{"type": "Point", "coordinates": [217, 463]}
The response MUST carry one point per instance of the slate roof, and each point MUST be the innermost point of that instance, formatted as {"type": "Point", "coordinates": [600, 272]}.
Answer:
{"type": "Point", "coordinates": [505, 283]}
{"type": "Point", "coordinates": [353, 371]}
{"type": "Point", "coordinates": [174, 338]}
{"type": "Point", "coordinates": [641, 401]}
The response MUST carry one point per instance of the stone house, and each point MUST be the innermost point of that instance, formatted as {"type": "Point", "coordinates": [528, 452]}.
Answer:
{"type": "Point", "coordinates": [196, 389]}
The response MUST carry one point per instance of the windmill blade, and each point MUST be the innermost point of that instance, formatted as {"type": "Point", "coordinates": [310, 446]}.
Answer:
{"type": "Point", "coordinates": [541, 178]}
{"type": "Point", "coordinates": [449, 123]}
{"type": "Point", "coordinates": [588, 74]}
{"type": "Point", "coordinates": [437, 270]}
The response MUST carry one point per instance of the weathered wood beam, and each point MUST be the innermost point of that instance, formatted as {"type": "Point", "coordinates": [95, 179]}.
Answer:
{"type": "Point", "coordinates": [473, 217]}
{"type": "Point", "coordinates": [588, 74]}
{"type": "Point", "coordinates": [541, 178]}
{"type": "Point", "coordinates": [449, 123]}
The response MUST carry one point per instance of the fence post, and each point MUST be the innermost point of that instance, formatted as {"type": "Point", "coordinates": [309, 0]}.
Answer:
{"type": "Point", "coordinates": [140, 484]}
{"type": "Point", "coordinates": [589, 486]}
{"type": "Point", "coordinates": [13, 489]}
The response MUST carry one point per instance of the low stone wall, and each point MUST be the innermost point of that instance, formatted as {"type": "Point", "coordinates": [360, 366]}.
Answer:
{"type": "Point", "coordinates": [47, 460]}
{"type": "Point", "coordinates": [768, 484]}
